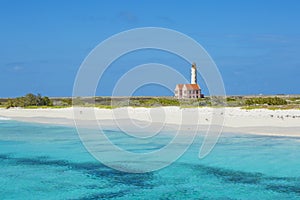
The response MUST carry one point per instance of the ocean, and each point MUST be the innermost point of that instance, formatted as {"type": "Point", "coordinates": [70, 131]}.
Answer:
{"type": "Point", "coordinates": [49, 162]}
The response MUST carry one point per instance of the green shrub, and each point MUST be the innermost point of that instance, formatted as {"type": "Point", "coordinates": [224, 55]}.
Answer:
{"type": "Point", "coordinates": [266, 101]}
{"type": "Point", "coordinates": [29, 100]}
{"type": "Point", "coordinates": [230, 99]}
{"type": "Point", "coordinates": [67, 102]}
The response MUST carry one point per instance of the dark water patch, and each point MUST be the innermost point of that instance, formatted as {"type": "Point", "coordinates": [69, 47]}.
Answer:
{"type": "Point", "coordinates": [4, 156]}
{"type": "Point", "coordinates": [103, 195]}
{"type": "Point", "coordinates": [231, 176]}
{"type": "Point", "coordinates": [188, 194]}
{"type": "Point", "coordinates": [284, 188]}
{"type": "Point", "coordinates": [284, 179]}
{"type": "Point", "coordinates": [240, 176]}
{"type": "Point", "coordinates": [40, 161]}
{"type": "Point", "coordinates": [286, 185]}
{"type": "Point", "coordinates": [235, 176]}
{"type": "Point", "coordinates": [92, 187]}
{"type": "Point", "coordinates": [95, 170]}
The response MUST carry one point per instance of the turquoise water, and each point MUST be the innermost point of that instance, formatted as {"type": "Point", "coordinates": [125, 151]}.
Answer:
{"type": "Point", "coordinates": [49, 162]}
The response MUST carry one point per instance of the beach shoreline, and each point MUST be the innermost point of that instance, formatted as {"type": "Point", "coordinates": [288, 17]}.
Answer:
{"type": "Point", "coordinates": [230, 120]}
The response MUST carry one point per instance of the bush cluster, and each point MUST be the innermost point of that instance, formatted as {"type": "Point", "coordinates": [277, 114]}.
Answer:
{"type": "Point", "coordinates": [266, 101]}
{"type": "Point", "coordinates": [29, 100]}
{"type": "Point", "coordinates": [154, 102]}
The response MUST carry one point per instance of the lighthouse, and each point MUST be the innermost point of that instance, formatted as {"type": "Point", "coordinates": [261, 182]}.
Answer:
{"type": "Point", "coordinates": [194, 74]}
{"type": "Point", "coordinates": [189, 91]}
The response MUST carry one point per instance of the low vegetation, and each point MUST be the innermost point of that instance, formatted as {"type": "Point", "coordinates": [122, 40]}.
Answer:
{"type": "Point", "coordinates": [29, 100]}
{"type": "Point", "coordinates": [271, 101]}
{"type": "Point", "coordinates": [32, 101]}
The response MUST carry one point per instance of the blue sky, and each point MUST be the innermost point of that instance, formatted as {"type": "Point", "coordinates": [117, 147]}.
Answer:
{"type": "Point", "coordinates": [255, 44]}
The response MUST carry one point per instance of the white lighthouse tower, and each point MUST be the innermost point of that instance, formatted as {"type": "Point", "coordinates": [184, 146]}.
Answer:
{"type": "Point", "coordinates": [194, 74]}
{"type": "Point", "coordinates": [189, 91]}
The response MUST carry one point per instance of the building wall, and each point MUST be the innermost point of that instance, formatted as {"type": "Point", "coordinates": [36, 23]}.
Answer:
{"type": "Point", "coordinates": [192, 94]}
{"type": "Point", "coordinates": [186, 93]}
{"type": "Point", "coordinates": [178, 94]}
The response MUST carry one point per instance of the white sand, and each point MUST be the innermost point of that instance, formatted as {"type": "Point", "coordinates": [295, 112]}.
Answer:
{"type": "Point", "coordinates": [259, 121]}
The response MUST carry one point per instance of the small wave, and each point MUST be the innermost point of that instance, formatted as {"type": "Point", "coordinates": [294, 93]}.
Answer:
{"type": "Point", "coordinates": [4, 118]}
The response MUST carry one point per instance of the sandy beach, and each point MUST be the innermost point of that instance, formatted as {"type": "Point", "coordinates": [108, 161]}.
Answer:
{"type": "Point", "coordinates": [233, 120]}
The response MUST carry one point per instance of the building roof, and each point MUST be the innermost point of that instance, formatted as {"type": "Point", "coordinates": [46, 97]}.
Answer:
{"type": "Point", "coordinates": [188, 86]}
{"type": "Point", "coordinates": [179, 86]}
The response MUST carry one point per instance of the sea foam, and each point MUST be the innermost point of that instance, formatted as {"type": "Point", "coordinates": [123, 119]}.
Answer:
{"type": "Point", "coordinates": [4, 118]}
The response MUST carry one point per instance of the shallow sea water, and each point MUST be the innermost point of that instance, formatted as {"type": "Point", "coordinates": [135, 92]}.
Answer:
{"type": "Point", "coordinates": [49, 162]}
